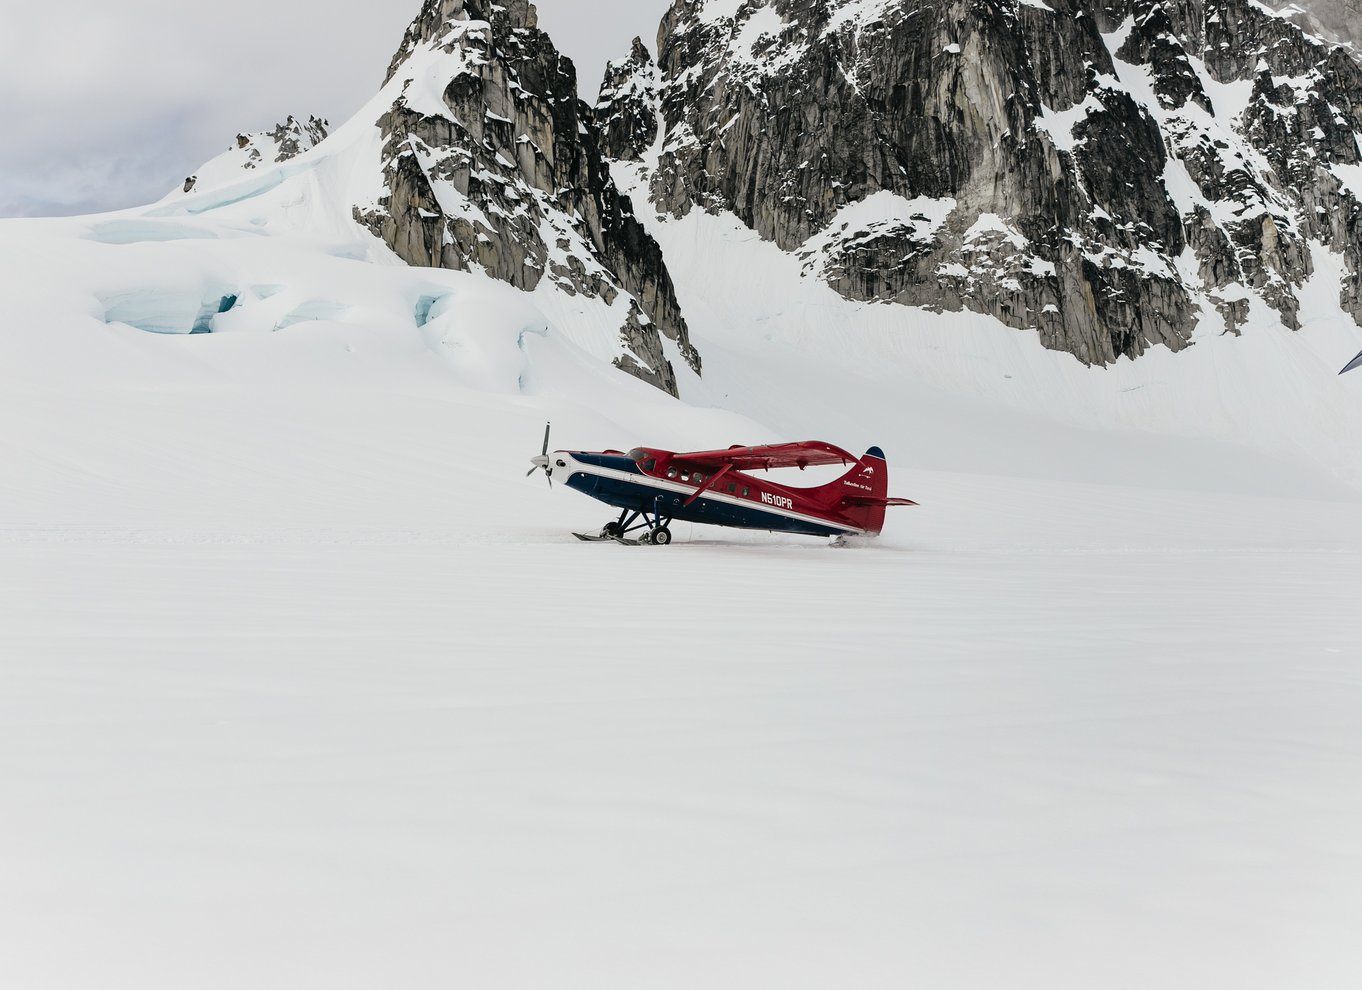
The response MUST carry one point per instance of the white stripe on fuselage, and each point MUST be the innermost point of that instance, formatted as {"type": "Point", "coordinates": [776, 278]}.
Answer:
{"type": "Point", "coordinates": [648, 481]}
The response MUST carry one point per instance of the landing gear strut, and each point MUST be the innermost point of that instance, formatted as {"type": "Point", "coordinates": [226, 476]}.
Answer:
{"type": "Point", "coordinates": [654, 526]}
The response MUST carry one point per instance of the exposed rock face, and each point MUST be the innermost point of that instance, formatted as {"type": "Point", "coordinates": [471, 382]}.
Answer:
{"type": "Point", "coordinates": [1335, 21]}
{"type": "Point", "coordinates": [262, 149]}
{"type": "Point", "coordinates": [288, 140]}
{"type": "Point", "coordinates": [1107, 175]}
{"type": "Point", "coordinates": [628, 110]}
{"type": "Point", "coordinates": [492, 163]}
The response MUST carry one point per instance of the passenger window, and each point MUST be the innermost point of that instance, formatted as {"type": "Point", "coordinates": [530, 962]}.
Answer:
{"type": "Point", "coordinates": [685, 476]}
{"type": "Point", "coordinates": [746, 492]}
{"type": "Point", "coordinates": [699, 478]}
{"type": "Point", "coordinates": [671, 472]}
{"type": "Point", "coordinates": [732, 487]}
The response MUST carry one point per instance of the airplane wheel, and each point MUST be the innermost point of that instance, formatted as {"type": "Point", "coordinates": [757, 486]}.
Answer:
{"type": "Point", "coordinates": [660, 537]}
{"type": "Point", "coordinates": [611, 530]}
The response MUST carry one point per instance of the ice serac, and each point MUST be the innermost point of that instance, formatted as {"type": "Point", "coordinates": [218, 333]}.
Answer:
{"type": "Point", "coordinates": [491, 163]}
{"type": "Point", "coordinates": [1107, 175]}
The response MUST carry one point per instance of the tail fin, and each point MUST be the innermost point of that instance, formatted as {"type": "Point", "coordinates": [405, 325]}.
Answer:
{"type": "Point", "coordinates": [862, 493]}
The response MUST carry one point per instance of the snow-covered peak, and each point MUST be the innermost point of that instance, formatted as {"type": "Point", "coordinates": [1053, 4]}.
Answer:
{"type": "Point", "coordinates": [475, 156]}
{"type": "Point", "coordinates": [491, 163]}
{"type": "Point", "coordinates": [628, 77]}
{"type": "Point", "coordinates": [627, 110]}
{"type": "Point", "coordinates": [259, 150]}
{"type": "Point", "coordinates": [446, 24]}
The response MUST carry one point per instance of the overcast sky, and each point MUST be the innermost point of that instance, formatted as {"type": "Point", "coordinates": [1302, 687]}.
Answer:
{"type": "Point", "coordinates": [106, 104]}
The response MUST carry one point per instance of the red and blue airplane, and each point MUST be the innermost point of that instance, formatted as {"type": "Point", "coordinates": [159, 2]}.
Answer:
{"type": "Point", "coordinates": [652, 488]}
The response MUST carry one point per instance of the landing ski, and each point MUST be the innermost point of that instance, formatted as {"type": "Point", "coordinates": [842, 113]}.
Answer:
{"type": "Point", "coordinates": [598, 538]}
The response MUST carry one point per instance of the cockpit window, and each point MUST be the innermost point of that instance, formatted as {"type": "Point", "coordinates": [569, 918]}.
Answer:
{"type": "Point", "coordinates": [650, 464]}
{"type": "Point", "coordinates": [637, 454]}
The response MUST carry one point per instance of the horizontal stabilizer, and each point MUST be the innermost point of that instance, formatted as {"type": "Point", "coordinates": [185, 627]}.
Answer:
{"type": "Point", "coordinates": [869, 500]}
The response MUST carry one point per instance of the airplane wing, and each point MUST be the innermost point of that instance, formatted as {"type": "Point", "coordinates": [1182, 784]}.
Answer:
{"type": "Point", "coordinates": [775, 455]}
{"type": "Point", "coordinates": [1354, 363]}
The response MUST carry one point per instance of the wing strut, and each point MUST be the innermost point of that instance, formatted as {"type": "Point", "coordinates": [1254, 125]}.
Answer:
{"type": "Point", "coordinates": [713, 479]}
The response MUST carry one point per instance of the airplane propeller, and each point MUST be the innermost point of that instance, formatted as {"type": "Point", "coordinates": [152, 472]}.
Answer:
{"type": "Point", "coordinates": [542, 461]}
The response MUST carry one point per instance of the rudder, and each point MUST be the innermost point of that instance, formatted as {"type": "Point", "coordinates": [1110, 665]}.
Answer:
{"type": "Point", "coordinates": [869, 480]}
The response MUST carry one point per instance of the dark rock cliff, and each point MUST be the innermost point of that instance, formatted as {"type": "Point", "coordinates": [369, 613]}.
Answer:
{"type": "Point", "coordinates": [492, 163]}
{"type": "Point", "coordinates": [1107, 175]}
{"type": "Point", "coordinates": [627, 108]}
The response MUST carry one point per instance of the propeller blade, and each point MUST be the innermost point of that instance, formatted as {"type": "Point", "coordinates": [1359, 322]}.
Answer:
{"type": "Point", "coordinates": [541, 461]}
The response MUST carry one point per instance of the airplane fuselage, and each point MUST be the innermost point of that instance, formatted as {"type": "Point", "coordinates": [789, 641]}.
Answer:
{"type": "Point", "coordinates": [650, 481]}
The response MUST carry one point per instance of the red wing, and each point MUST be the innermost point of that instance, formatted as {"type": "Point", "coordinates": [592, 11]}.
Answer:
{"type": "Point", "coordinates": [776, 455]}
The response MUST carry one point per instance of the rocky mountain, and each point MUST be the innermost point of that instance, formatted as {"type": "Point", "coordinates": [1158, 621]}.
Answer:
{"type": "Point", "coordinates": [1111, 176]}
{"type": "Point", "coordinates": [492, 163]}
{"type": "Point", "coordinates": [1336, 21]}
{"type": "Point", "coordinates": [263, 148]}
{"type": "Point", "coordinates": [628, 107]}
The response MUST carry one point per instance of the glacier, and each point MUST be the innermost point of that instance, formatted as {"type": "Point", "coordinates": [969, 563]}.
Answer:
{"type": "Point", "coordinates": [305, 685]}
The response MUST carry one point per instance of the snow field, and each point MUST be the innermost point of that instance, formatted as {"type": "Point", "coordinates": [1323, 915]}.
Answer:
{"type": "Point", "coordinates": [309, 686]}
{"type": "Point", "coordinates": [338, 761]}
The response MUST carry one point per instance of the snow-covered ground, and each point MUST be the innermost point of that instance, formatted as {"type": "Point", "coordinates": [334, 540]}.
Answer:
{"type": "Point", "coordinates": [305, 685]}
